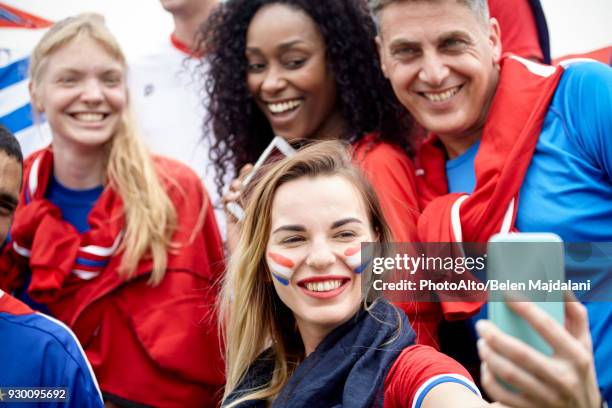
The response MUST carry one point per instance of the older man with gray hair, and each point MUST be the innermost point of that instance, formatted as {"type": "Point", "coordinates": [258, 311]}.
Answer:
{"type": "Point", "coordinates": [512, 146]}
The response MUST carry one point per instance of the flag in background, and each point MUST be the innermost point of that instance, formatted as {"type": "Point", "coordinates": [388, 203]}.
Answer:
{"type": "Point", "coordinates": [20, 31]}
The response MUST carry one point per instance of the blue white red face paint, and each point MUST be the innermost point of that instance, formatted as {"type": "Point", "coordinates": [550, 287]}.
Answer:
{"type": "Point", "coordinates": [352, 257]}
{"type": "Point", "coordinates": [282, 267]}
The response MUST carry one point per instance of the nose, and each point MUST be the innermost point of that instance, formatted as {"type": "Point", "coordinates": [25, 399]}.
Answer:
{"type": "Point", "coordinates": [92, 92]}
{"type": "Point", "coordinates": [274, 81]}
{"type": "Point", "coordinates": [434, 70]}
{"type": "Point", "coordinates": [320, 256]}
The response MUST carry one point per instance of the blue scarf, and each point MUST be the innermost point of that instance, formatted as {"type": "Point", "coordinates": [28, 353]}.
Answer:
{"type": "Point", "coordinates": [348, 368]}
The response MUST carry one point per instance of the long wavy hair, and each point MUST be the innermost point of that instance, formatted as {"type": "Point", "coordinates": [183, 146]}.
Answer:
{"type": "Point", "coordinates": [249, 306]}
{"type": "Point", "coordinates": [150, 216]}
{"type": "Point", "coordinates": [365, 97]}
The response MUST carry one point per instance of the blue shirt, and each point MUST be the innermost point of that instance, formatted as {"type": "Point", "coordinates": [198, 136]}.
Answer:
{"type": "Point", "coordinates": [568, 186]}
{"type": "Point", "coordinates": [75, 204]}
{"type": "Point", "coordinates": [460, 172]}
{"type": "Point", "coordinates": [39, 351]}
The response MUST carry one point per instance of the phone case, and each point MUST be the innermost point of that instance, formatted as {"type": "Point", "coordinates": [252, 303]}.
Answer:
{"type": "Point", "coordinates": [525, 258]}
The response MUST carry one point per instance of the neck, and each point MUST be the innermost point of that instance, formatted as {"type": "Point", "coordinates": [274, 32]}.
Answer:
{"type": "Point", "coordinates": [455, 146]}
{"type": "Point", "coordinates": [335, 127]}
{"type": "Point", "coordinates": [78, 169]}
{"type": "Point", "coordinates": [312, 336]}
{"type": "Point", "coordinates": [186, 24]}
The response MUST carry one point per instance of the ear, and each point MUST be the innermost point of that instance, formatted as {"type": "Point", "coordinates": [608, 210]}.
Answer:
{"type": "Point", "coordinates": [381, 53]}
{"type": "Point", "coordinates": [495, 39]}
{"type": "Point", "coordinates": [34, 98]}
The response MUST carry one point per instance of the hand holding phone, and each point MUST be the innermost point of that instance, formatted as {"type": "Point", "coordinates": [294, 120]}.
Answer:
{"type": "Point", "coordinates": [526, 263]}
{"type": "Point", "coordinates": [277, 144]}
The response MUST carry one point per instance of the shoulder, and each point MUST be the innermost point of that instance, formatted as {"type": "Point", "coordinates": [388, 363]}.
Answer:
{"type": "Point", "coordinates": [370, 149]}
{"type": "Point", "coordinates": [373, 155]}
{"type": "Point", "coordinates": [583, 75]}
{"type": "Point", "coordinates": [52, 349]}
{"type": "Point", "coordinates": [174, 171]}
{"type": "Point", "coordinates": [417, 370]}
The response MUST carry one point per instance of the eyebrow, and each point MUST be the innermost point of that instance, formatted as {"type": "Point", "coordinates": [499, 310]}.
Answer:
{"type": "Point", "coordinates": [404, 43]}
{"type": "Point", "coordinates": [300, 228]}
{"type": "Point", "coordinates": [441, 38]}
{"type": "Point", "coordinates": [282, 47]}
{"type": "Point", "coordinates": [294, 228]}
{"type": "Point", "coordinates": [345, 221]}
{"type": "Point", "coordinates": [453, 34]}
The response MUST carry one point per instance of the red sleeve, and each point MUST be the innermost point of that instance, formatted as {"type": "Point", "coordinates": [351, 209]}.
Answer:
{"type": "Point", "coordinates": [417, 370]}
{"type": "Point", "coordinates": [391, 173]}
{"type": "Point", "coordinates": [519, 34]}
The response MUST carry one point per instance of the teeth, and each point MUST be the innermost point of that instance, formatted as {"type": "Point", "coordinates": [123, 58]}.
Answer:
{"type": "Point", "coordinates": [442, 96]}
{"type": "Point", "coordinates": [284, 106]}
{"type": "Point", "coordinates": [324, 286]}
{"type": "Point", "coordinates": [89, 117]}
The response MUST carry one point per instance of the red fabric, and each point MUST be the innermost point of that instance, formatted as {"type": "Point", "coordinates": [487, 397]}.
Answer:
{"type": "Point", "coordinates": [414, 366]}
{"type": "Point", "coordinates": [391, 173]}
{"type": "Point", "coordinates": [601, 54]}
{"type": "Point", "coordinates": [153, 345]}
{"type": "Point", "coordinates": [519, 34]}
{"type": "Point", "coordinates": [509, 138]}
{"type": "Point", "coordinates": [184, 48]}
{"type": "Point", "coordinates": [20, 19]}
{"type": "Point", "coordinates": [9, 304]}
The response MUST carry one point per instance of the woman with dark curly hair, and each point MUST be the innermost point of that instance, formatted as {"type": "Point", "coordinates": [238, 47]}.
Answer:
{"type": "Point", "coordinates": [305, 69]}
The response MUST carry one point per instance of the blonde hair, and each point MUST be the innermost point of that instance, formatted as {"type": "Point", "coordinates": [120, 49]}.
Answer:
{"type": "Point", "coordinates": [150, 216]}
{"type": "Point", "coordinates": [251, 313]}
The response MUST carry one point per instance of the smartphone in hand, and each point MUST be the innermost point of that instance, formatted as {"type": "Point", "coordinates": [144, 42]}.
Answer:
{"type": "Point", "coordinates": [278, 144]}
{"type": "Point", "coordinates": [527, 266]}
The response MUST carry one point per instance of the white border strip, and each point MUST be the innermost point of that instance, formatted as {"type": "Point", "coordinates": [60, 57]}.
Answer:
{"type": "Point", "coordinates": [456, 218]}
{"type": "Point", "coordinates": [33, 179]}
{"type": "Point", "coordinates": [26, 253]}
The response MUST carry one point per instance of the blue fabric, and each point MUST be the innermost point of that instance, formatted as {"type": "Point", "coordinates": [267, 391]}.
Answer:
{"type": "Point", "coordinates": [75, 204]}
{"type": "Point", "coordinates": [39, 352]}
{"type": "Point", "coordinates": [568, 188]}
{"type": "Point", "coordinates": [14, 72]}
{"type": "Point", "coordinates": [460, 171]}
{"type": "Point", "coordinates": [347, 369]}
{"type": "Point", "coordinates": [18, 119]}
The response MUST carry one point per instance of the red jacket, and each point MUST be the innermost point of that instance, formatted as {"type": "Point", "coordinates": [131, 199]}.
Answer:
{"type": "Point", "coordinates": [152, 345]}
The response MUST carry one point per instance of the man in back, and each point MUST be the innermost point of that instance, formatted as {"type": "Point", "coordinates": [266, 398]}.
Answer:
{"type": "Point", "coordinates": [167, 91]}
{"type": "Point", "coordinates": [513, 145]}
{"type": "Point", "coordinates": [37, 350]}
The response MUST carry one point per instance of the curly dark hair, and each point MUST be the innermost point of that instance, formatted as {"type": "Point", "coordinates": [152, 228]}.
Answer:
{"type": "Point", "coordinates": [365, 97]}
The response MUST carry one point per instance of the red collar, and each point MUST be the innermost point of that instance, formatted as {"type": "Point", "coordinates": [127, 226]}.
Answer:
{"type": "Point", "coordinates": [184, 48]}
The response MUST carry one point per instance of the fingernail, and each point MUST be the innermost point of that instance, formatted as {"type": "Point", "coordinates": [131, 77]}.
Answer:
{"type": "Point", "coordinates": [481, 327]}
{"type": "Point", "coordinates": [480, 345]}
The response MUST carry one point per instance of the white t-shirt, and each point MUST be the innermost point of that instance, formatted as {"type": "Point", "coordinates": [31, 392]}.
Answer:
{"type": "Point", "coordinates": [167, 93]}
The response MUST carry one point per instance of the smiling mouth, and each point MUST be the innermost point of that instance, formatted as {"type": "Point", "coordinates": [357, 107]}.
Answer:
{"type": "Point", "coordinates": [438, 97]}
{"type": "Point", "coordinates": [324, 286]}
{"type": "Point", "coordinates": [89, 116]}
{"type": "Point", "coordinates": [284, 107]}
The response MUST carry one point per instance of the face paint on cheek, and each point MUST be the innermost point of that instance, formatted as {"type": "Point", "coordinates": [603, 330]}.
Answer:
{"type": "Point", "coordinates": [352, 257]}
{"type": "Point", "coordinates": [281, 267]}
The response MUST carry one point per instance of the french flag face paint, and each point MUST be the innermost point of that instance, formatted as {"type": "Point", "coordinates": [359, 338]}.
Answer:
{"type": "Point", "coordinates": [281, 267]}
{"type": "Point", "coordinates": [352, 257]}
